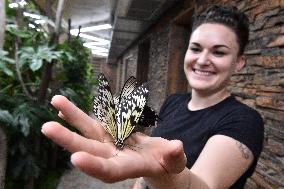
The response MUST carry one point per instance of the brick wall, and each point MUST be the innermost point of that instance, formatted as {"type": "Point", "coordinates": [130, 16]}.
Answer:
{"type": "Point", "coordinates": [260, 84]}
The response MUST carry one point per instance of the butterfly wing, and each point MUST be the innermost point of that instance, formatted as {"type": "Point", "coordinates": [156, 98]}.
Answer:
{"type": "Point", "coordinates": [128, 88]}
{"type": "Point", "coordinates": [148, 117]}
{"type": "Point", "coordinates": [116, 99]}
{"type": "Point", "coordinates": [129, 111]}
{"type": "Point", "coordinates": [104, 108]}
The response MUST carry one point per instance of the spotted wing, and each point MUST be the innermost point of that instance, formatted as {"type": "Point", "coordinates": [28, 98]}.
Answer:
{"type": "Point", "coordinates": [129, 111]}
{"type": "Point", "coordinates": [97, 107]}
{"type": "Point", "coordinates": [116, 99]}
{"type": "Point", "coordinates": [128, 88]}
{"type": "Point", "coordinates": [104, 108]}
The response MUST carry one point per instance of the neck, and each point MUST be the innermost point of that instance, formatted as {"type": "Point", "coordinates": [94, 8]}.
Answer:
{"type": "Point", "coordinates": [200, 101]}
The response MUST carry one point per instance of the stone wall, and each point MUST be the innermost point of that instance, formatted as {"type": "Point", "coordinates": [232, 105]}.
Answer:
{"type": "Point", "coordinates": [260, 84]}
{"type": "Point", "coordinates": [158, 67]}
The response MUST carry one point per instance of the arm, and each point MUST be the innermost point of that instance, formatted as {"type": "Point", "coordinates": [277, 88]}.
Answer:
{"type": "Point", "coordinates": [161, 162]}
{"type": "Point", "coordinates": [222, 161]}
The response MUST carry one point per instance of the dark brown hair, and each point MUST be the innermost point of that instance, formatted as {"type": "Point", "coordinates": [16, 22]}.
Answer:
{"type": "Point", "coordinates": [229, 16]}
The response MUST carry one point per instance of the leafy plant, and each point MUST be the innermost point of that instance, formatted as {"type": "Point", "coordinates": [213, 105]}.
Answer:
{"type": "Point", "coordinates": [4, 60]}
{"type": "Point", "coordinates": [26, 54]}
{"type": "Point", "coordinates": [34, 57]}
{"type": "Point", "coordinates": [78, 77]}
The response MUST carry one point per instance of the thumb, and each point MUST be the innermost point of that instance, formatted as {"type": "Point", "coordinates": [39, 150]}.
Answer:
{"type": "Point", "coordinates": [175, 160]}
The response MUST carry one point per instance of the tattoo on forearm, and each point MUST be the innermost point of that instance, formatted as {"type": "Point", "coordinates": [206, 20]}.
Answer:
{"type": "Point", "coordinates": [246, 153]}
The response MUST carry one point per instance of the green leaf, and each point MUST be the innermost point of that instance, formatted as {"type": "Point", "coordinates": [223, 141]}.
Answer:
{"type": "Point", "coordinates": [5, 69]}
{"type": "Point", "coordinates": [24, 125]}
{"type": "Point", "coordinates": [6, 117]}
{"type": "Point", "coordinates": [6, 60]}
{"type": "Point", "coordinates": [4, 57]}
{"type": "Point", "coordinates": [69, 56]}
{"type": "Point", "coordinates": [13, 29]}
{"type": "Point", "coordinates": [3, 53]}
{"type": "Point", "coordinates": [8, 72]}
{"type": "Point", "coordinates": [36, 64]}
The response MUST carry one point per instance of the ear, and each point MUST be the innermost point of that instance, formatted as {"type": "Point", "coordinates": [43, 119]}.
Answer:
{"type": "Point", "coordinates": [240, 63]}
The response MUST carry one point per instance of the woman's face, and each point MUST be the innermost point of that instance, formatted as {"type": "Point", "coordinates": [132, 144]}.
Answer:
{"type": "Point", "coordinates": [211, 58]}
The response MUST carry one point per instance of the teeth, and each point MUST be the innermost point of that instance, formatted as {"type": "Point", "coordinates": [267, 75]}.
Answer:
{"type": "Point", "coordinates": [202, 72]}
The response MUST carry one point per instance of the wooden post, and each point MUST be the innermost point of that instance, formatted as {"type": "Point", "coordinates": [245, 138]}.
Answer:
{"type": "Point", "coordinates": [2, 23]}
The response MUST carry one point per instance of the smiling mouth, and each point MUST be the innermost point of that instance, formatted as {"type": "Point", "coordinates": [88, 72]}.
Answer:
{"type": "Point", "coordinates": [203, 72]}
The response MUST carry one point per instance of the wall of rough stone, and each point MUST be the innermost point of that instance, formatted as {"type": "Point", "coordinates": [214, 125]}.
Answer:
{"type": "Point", "coordinates": [260, 84]}
{"type": "Point", "coordinates": [158, 67]}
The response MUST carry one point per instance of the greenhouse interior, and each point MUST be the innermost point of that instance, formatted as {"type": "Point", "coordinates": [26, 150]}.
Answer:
{"type": "Point", "coordinates": [82, 79]}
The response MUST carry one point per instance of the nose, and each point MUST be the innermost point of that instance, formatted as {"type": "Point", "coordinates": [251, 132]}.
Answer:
{"type": "Point", "coordinates": [203, 58]}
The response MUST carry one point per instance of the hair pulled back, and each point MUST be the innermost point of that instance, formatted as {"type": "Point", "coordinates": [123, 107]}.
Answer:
{"type": "Point", "coordinates": [229, 16]}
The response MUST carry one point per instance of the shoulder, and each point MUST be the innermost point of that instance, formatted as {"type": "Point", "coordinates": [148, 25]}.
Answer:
{"type": "Point", "coordinates": [240, 111]}
{"type": "Point", "coordinates": [242, 123]}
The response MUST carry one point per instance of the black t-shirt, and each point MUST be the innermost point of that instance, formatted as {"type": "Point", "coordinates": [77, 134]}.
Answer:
{"type": "Point", "coordinates": [229, 117]}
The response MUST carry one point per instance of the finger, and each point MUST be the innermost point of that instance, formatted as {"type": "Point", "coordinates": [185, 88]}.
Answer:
{"type": "Point", "coordinates": [108, 170]}
{"type": "Point", "coordinates": [74, 142]}
{"type": "Point", "coordinates": [175, 160]}
{"type": "Point", "coordinates": [77, 118]}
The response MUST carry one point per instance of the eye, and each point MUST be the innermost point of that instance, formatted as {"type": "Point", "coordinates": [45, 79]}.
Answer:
{"type": "Point", "coordinates": [219, 53]}
{"type": "Point", "coordinates": [195, 49]}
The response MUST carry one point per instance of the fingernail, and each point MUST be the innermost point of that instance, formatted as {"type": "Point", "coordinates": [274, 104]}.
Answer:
{"type": "Point", "coordinates": [52, 99]}
{"type": "Point", "coordinates": [74, 158]}
{"type": "Point", "coordinates": [43, 128]}
{"type": "Point", "coordinates": [60, 114]}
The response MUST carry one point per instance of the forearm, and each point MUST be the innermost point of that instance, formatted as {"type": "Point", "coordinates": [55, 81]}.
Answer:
{"type": "Point", "coordinates": [184, 180]}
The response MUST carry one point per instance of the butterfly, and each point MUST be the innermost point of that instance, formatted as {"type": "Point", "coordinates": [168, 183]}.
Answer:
{"type": "Point", "coordinates": [120, 114]}
{"type": "Point", "coordinates": [148, 117]}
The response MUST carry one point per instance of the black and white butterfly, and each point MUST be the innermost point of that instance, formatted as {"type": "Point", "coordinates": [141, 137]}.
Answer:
{"type": "Point", "coordinates": [120, 114]}
{"type": "Point", "coordinates": [148, 117]}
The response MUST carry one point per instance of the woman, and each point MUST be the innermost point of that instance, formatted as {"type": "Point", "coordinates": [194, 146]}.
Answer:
{"type": "Point", "coordinates": [206, 139]}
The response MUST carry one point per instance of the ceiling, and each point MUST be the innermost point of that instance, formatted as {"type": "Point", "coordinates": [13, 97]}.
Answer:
{"type": "Point", "coordinates": [128, 20]}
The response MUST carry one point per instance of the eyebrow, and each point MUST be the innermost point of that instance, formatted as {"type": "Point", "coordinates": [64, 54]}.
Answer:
{"type": "Point", "coordinates": [215, 46]}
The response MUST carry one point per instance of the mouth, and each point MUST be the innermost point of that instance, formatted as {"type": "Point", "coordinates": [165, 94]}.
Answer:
{"type": "Point", "coordinates": [203, 72]}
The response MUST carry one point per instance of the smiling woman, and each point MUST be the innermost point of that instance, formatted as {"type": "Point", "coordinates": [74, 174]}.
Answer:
{"type": "Point", "coordinates": [214, 127]}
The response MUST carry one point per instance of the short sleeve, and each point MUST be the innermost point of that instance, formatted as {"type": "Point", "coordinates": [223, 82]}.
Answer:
{"type": "Point", "coordinates": [244, 125]}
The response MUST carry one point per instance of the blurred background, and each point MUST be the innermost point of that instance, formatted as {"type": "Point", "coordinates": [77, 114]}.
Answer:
{"type": "Point", "coordinates": [50, 47]}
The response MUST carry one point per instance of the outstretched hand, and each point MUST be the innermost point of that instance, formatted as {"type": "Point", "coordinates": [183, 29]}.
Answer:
{"type": "Point", "coordinates": [95, 154]}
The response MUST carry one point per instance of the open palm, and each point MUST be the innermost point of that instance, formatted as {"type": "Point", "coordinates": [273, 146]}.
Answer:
{"type": "Point", "coordinates": [95, 154]}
